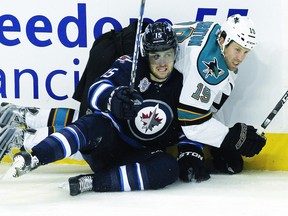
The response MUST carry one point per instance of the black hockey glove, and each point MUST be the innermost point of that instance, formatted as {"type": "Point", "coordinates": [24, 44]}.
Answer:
{"type": "Point", "coordinates": [226, 161]}
{"type": "Point", "coordinates": [244, 139]}
{"type": "Point", "coordinates": [191, 164]}
{"type": "Point", "coordinates": [124, 103]}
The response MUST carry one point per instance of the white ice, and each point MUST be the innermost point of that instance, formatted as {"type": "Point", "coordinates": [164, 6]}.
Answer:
{"type": "Point", "coordinates": [253, 192]}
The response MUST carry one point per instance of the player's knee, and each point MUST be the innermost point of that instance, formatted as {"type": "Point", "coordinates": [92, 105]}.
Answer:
{"type": "Point", "coordinates": [162, 170]}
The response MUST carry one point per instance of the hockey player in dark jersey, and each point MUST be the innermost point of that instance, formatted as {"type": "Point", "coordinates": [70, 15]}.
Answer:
{"type": "Point", "coordinates": [124, 142]}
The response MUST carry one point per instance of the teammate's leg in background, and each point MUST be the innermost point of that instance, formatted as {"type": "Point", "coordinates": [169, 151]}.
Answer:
{"type": "Point", "coordinates": [29, 125]}
{"type": "Point", "coordinates": [64, 143]}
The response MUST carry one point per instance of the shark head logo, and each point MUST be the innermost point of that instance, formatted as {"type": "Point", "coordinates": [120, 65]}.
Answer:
{"type": "Point", "coordinates": [212, 69]}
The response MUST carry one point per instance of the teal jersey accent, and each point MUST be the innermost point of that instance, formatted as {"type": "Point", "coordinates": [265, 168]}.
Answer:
{"type": "Point", "coordinates": [186, 115]}
{"type": "Point", "coordinates": [60, 116]}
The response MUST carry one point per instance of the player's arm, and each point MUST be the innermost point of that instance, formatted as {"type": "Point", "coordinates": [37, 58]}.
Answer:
{"type": "Point", "coordinates": [111, 92]}
{"type": "Point", "coordinates": [199, 125]}
{"type": "Point", "coordinates": [101, 89]}
{"type": "Point", "coordinates": [217, 104]}
{"type": "Point", "coordinates": [241, 137]}
{"type": "Point", "coordinates": [223, 95]}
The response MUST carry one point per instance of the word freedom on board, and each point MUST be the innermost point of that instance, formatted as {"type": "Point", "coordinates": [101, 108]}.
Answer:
{"type": "Point", "coordinates": [40, 24]}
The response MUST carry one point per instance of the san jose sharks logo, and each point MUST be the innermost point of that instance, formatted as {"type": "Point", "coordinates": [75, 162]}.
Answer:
{"type": "Point", "coordinates": [152, 120]}
{"type": "Point", "coordinates": [236, 20]}
{"type": "Point", "coordinates": [212, 69]}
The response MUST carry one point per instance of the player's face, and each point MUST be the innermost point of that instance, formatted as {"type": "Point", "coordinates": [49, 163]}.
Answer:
{"type": "Point", "coordinates": [234, 55]}
{"type": "Point", "coordinates": [161, 64]}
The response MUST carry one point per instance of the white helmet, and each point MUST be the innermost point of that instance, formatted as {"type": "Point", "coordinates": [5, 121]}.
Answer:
{"type": "Point", "coordinates": [241, 30]}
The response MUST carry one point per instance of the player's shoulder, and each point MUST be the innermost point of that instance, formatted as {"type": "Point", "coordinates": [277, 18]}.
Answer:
{"type": "Point", "coordinates": [202, 47]}
{"type": "Point", "coordinates": [124, 59]}
{"type": "Point", "coordinates": [194, 31]}
{"type": "Point", "coordinates": [177, 74]}
{"type": "Point", "coordinates": [211, 64]}
{"type": "Point", "coordinates": [123, 63]}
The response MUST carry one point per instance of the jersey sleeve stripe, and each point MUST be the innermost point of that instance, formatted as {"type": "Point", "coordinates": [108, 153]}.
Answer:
{"type": "Point", "coordinates": [187, 117]}
{"type": "Point", "coordinates": [96, 92]}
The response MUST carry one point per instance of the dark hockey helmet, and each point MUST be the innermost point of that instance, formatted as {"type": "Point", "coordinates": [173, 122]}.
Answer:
{"type": "Point", "coordinates": [158, 36]}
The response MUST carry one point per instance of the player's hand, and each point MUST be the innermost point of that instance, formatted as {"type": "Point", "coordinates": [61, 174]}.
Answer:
{"type": "Point", "coordinates": [227, 161]}
{"type": "Point", "coordinates": [244, 139]}
{"type": "Point", "coordinates": [124, 103]}
{"type": "Point", "coordinates": [191, 164]}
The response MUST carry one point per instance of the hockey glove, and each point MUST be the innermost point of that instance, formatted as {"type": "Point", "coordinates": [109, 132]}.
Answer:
{"type": "Point", "coordinates": [124, 103]}
{"type": "Point", "coordinates": [191, 164]}
{"type": "Point", "coordinates": [226, 161]}
{"type": "Point", "coordinates": [244, 139]}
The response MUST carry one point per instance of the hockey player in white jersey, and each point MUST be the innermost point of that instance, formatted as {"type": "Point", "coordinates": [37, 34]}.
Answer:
{"type": "Point", "coordinates": [208, 58]}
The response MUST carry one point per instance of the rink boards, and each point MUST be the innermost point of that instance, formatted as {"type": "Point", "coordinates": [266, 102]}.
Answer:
{"type": "Point", "coordinates": [274, 156]}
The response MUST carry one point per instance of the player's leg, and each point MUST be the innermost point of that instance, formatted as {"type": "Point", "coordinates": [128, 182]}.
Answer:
{"type": "Point", "coordinates": [14, 116]}
{"type": "Point", "coordinates": [33, 117]}
{"type": "Point", "coordinates": [63, 143]}
{"type": "Point", "coordinates": [151, 170]}
{"type": "Point", "coordinates": [28, 125]}
{"type": "Point", "coordinates": [16, 137]}
{"type": "Point", "coordinates": [56, 117]}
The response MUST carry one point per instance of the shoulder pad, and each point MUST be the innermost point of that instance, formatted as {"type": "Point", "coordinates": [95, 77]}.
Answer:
{"type": "Point", "coordinates": [211, 64]}
{"type": "Point", "coordinates": [124, 58]}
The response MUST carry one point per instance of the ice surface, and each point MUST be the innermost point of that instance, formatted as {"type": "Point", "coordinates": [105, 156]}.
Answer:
{"type": "Point", "coordinates": [253, 192]}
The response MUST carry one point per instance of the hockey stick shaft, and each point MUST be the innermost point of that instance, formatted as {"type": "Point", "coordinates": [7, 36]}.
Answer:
{"type": "Point", "coordinates": [137, 45]}
{"type": "Point", "coordinates": [273, 113]}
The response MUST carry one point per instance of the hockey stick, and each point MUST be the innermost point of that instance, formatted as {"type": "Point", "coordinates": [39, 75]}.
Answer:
{"type": "Point", "coordinates": [273, 113]}
{"type": "Point", "coordinates": [137, 45]}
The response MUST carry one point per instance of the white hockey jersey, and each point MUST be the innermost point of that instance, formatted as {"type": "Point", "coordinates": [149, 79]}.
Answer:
{"type": "Point", "coordinates": [207, 82]}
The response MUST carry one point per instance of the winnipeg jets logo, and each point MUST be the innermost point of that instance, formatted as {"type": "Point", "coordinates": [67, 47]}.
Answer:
{"type": "Point", "coordinates": [212, 69]}
{"type": "Point", "coordinates": [151, 119]}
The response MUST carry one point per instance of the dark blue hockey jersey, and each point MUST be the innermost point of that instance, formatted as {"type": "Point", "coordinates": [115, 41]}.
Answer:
{"type": "Point", "coordinates": [156, 124]}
